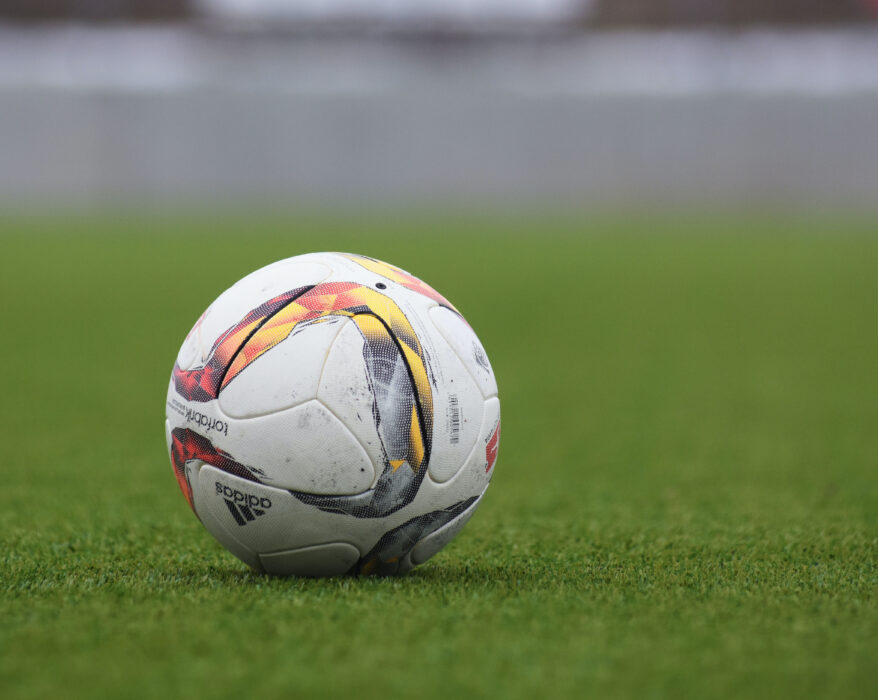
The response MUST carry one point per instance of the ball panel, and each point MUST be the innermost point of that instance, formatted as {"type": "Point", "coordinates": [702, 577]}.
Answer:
{"type": "Point", "coordinates": [305, 448]}
{"type": "Point", "coordinates": [475, 474]}
{"type": "Point", "coordinates": [435, 541]}
{"type": "Point", "coordinates": [168, 434]}
{"type": "Point", "coordinates": [280, 525]}
{"type": "Point", "coordinates": [213, 519]}
{"type": "Point", "coordinates": [467, 346]}
{"type": "Point", "coordinates": [345, 390]}
{"type": "Point", "coordinates": [285, 523]}
{"type": "Point", "coordinates": [458, 409]}
{"type": "Point", "coordinates": [488, 445]}
{"type": "Point", "coordinates": [180, 472]}
{"type": "Point", "coordinates": [244, 296]}
{"type": "Point", "coordinates": [332, 559]}
{"type": "Point", "coordinates": [390, 555]}
{"type": "Point", "coordinates": [401, 283]}
{"type": "Point", "coordinates": [286, 376]}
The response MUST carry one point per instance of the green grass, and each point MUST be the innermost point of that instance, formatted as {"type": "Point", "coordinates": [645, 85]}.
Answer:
{"type": "Point", "coordinates": [685, 504]}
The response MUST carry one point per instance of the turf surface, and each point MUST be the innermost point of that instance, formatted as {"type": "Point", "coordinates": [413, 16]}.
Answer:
{"type": "Point", "coordinates": [685, 504]}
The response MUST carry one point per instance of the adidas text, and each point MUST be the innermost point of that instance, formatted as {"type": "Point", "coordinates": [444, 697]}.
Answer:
{"type": "Point", "coordinates": [239, 497]}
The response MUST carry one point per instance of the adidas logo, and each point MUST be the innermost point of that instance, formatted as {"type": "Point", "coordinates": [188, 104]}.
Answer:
{"type": "Point", "coordinates": [244, 507]}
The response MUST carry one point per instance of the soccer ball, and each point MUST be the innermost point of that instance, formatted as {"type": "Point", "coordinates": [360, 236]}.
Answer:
{"type": "Point", "coordinates": [332, 414]}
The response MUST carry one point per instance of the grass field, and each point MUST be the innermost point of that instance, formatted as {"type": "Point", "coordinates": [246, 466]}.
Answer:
{"type": "Point", "coordinates": [685, 504]}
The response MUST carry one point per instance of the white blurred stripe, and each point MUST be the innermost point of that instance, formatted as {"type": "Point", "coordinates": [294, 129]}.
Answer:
{"type": "Point", "coordinates": [395, 10]}
{"type": "Point", "coordinates": [614, 64]}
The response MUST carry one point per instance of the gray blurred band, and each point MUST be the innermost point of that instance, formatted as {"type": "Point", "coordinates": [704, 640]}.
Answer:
{"type": "Point", "coordinates": [179, 115]}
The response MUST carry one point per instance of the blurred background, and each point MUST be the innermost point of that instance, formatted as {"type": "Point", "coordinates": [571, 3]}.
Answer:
{"type": "Point", "coordinates": [617, 104]}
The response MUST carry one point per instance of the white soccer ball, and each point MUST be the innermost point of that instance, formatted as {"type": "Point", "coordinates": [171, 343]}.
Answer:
{"type": "Point", "coordinates": [332, 414]}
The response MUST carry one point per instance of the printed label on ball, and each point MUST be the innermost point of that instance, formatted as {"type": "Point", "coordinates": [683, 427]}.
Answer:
{"type": "Point", "coordinates": [198, 418]}
{"type": "Point", "coordinates": [481, 359]}
{"type": "Point", "coordinates": [244, 507]}
{"type": "Point", "coordinates": [177, 407]}
{"type": "Point", "coordinates": [453, 418]}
